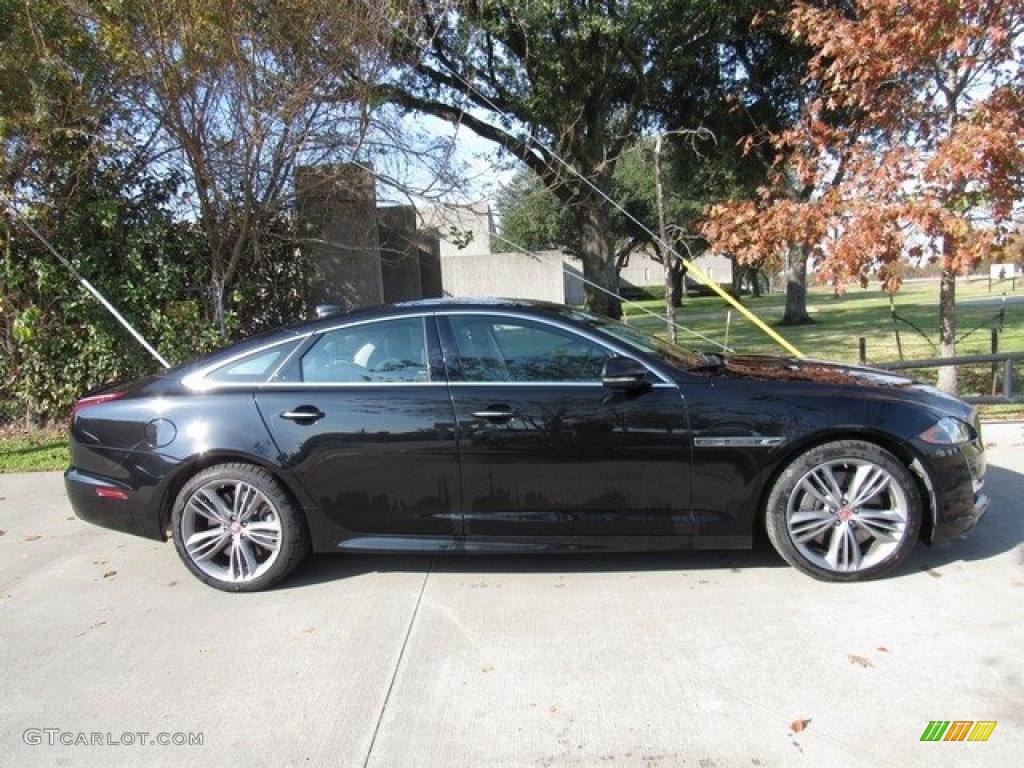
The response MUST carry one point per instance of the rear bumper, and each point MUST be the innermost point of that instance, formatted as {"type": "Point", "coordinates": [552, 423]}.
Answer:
{"type": "Point", "coordinates": [110, 504]}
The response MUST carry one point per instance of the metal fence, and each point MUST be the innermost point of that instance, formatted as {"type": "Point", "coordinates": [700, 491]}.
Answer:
{"type": "Point", "coordinates": [999, 366]}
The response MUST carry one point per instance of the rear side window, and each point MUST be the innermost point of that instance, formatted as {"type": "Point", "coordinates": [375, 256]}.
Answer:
{"type": "Point", "coordinates": [254, 368]}
{"type": "Point", "coordinates": [383, 351]}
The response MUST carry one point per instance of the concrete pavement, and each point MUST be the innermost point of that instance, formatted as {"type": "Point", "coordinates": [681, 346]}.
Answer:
{"type": "Point", "coordinates": [109, 646]}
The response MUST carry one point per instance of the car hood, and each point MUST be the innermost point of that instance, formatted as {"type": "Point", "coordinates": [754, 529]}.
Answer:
{"type": "Point", "coordinates": [839, 375]}
{"type": "Point", "coordinates": [806, 369]}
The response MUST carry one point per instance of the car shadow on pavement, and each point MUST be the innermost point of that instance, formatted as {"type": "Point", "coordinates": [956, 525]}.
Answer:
{"type": "Point", "coordinates": [1001, 530]}
{"type": "Point", "coordinates": [330, 567]}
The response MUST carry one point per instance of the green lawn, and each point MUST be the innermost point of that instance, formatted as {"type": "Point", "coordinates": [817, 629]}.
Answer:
{"type": "Point", "coordinates": [33, 451]}
{"type": "Point", "coordinates": [842, 321]}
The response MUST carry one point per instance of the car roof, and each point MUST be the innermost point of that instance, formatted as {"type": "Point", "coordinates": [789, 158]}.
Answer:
{"type": "Point", "coordinates": [332, 319]}
{"type": "Point", "coordinates": [426, 305]}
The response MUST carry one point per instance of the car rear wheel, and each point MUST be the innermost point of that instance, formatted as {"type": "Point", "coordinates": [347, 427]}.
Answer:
{"type": "Point", "coordinates": [236, 529]}
{"type": "Point", "coordinates": [844, 511]}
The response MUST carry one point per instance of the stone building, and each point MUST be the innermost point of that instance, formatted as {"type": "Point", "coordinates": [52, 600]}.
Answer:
{"type": "Point", "coordinates": [370, 254]}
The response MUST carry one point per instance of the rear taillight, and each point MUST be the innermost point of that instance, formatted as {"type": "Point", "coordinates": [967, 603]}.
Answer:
{"type": "Point", "coordinates": [117, 494]}
{"type": "Point", "coordinates": [91, 400]}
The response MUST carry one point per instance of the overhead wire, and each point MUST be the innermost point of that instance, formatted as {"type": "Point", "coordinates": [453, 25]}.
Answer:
{"type": "Point", "coordinates": [640, 307]}
{"type": "Point", "coordinates": [691, 267]}
{"type": "Point", "coordinates": [89, 287]}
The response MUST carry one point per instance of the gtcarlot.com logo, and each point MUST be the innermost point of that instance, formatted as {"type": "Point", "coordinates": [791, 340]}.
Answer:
{"type": "Point", "coordinates": [958, 730]}
{"type": "Point", "coordinates": [57, 736]}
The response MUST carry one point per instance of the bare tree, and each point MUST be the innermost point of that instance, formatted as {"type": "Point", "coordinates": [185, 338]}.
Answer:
{"type": "Point", "coordinates": [240, 93]}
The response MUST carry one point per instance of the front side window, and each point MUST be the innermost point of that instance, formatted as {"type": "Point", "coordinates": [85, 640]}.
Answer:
{"type": "Point", "coordinates": [384, 351]}
{"type": "Point", "coordinates": [512, 349]}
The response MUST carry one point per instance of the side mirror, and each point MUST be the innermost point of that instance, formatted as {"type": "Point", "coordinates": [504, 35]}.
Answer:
{"type": "Point", "coordinates": [623, 374]}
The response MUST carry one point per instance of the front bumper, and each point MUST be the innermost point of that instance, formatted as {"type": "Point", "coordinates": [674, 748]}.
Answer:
{"type": "Point", "coordinates": [955, 476]}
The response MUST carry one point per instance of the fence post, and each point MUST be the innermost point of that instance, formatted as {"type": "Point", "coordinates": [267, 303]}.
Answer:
{"type": "Point", "coordinates": [862, 353]}
{"type": "Point", "coordinates": [995, 364]}
{"type": "Point", "coordinates": [896, 327]}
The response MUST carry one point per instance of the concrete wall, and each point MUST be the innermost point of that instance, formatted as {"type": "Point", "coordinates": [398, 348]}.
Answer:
{"type": "Point", "coordinates": [399, 253]}
{"type": "Point", "coordinates": [573, 287]}
{"type": "Point", "coordinates": [508, 275]}
{"type": "Point", "coordinates": [460, 229]}
{"type": "Point", "coordinates": [337, 214]}
{"type": "Point", "coordinates": [431, 275]}
{"type": "Point", "coordinates": [643, 271]}
{"type": "Point", "coordinates": [367, 255]}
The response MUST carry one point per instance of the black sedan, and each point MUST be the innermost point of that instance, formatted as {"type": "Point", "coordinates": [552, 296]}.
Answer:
{"type": "Point", "coordinates": [512, 426]}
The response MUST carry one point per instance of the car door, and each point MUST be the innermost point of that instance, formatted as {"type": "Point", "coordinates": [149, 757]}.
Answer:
{"type": "Point", "coordinates": [366, 425]}
{"type": "Point", "coordinates": [546, 448]}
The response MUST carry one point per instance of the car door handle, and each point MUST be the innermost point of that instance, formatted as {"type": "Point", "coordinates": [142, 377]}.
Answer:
{"type": "Point", "coordinates": [494, 413]}
{"type": "Point", "coordinates": [304, 413]}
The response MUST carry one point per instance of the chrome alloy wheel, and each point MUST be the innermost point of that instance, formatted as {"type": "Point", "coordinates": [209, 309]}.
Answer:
{"type": "Point", "coordinates": [231, 530]}
{"type": "Point", "coordinates": [847, 515]}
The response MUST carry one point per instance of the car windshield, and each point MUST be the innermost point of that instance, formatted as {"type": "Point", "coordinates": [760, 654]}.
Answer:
{"type": "Point", "coordinates": [646, 342]}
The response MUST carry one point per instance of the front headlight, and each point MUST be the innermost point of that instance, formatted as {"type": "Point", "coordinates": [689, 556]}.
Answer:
{"type": "Point", "coordinates": [948, 431]}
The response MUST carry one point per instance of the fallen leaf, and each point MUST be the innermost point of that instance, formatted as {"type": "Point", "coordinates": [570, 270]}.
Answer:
{"type": "Point", "coordinates": [798, 725]}
{"type": "Point", "coordinates": [108, 574]}
{"type": "Point", "coordinates": [2, 531]}
{"type": "Point", "coordinates": [486, 669]}
{"type": "Point", "coordinates": [859, 660]}
{"type": "Point", "coordinates": [33, 537]}
{"type": "Point", "coordinates": [882, 648]}
{"type": "Point", "coordinates": [4, 595]}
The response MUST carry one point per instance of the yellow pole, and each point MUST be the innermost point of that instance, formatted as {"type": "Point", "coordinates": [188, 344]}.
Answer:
{"type": "Point", "coordinates": [703, 277]}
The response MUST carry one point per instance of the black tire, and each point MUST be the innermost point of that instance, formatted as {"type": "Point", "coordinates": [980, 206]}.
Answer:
{"type": "Point", "coordinates": [236, 528]}
{"type": "Point", "coordinates": [844, 511]}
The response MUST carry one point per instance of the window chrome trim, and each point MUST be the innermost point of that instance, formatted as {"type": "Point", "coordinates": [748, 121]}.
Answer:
{"type": "Point", "coordinates": [595, 384]}
{"type": "Point", "coordinates": [197, 381]}
{"type": "Point", "coordinates": [289, 385]}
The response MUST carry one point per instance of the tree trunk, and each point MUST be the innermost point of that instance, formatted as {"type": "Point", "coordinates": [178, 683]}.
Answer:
{"type": "Point", "coordinates": [796, 289]}
{"type": "Point", "coordinates": [670, 299]}
{"type": "Point", "coordinates": [598, 254]}
{"type": "Point", "coordinates": [754, 275]}
{"type": "Point", "coordinates": [214, 301]}
{"type": "Point", "coordinates": [678, 271]}
{"type": "Point", "coordinates": [947, 324]}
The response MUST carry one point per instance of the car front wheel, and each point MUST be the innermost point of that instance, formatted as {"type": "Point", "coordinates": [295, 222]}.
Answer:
{"type": "Point", "coordinates": [236, 529]}
{"type": "Point", "coordinates": [844, 511]}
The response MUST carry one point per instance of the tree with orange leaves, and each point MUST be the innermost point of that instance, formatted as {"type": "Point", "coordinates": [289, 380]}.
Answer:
{"type": "Point", "coordinates": [911, 144]}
